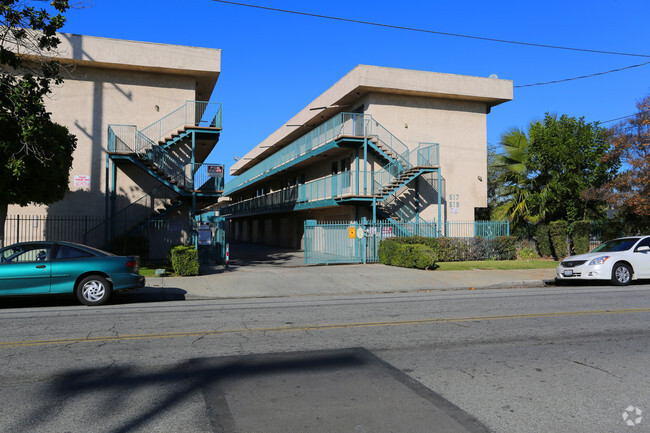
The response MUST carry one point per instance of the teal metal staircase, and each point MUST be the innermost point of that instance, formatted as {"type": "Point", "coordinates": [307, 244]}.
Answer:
{"type": "Point", "coordinates": [153, 206]}
{"type": "Point", "coordinates": [166, 151]}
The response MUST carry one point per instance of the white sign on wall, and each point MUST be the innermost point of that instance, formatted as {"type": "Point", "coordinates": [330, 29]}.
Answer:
{"type": "Point", "coordinates": [82, 182]}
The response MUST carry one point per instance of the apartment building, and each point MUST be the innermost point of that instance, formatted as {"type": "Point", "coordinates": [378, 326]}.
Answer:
{"type": "Point", "coordinates": [381, 143]}
{"type": "Point", "coordinates": [143, 133]}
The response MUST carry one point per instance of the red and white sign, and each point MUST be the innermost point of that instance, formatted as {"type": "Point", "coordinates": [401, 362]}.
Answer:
{"type": "Point", "coordinates": [215, 170]}
{"type": "Point", "coordinates": [82, 182]}
{"type": "Point", "coordinates": [387, 232]}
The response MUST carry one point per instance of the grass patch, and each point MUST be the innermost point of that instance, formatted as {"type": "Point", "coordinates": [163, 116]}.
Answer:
{"type": "Point", "coordinates": [150, 270]}
{"type": "Point", "coordinates": [496, 264]}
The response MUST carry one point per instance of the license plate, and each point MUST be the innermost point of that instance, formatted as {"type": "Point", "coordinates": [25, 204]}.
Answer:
{"type": "Point", "coordinates": [568, 273]}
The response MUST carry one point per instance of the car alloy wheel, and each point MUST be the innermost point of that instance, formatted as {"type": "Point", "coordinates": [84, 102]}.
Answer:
{"type": "Point", "coordinates": [621, 274]}
{"type": "Point", "coordinates": [93, 290]}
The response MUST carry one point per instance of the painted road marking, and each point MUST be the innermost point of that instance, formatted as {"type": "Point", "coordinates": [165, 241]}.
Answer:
{"type": "Point", "coordinates": [318, 327]}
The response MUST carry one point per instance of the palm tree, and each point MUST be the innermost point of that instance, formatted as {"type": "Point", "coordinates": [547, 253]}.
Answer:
{"type": "Point", "coordinates": [522, 200]}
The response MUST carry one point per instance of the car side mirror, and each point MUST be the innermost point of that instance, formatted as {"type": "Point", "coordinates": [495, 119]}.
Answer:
{"type": "Point", "coordinates": [643, 249]}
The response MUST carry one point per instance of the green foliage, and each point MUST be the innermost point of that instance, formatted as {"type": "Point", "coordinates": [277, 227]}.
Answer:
{"type": "Point", "coordinates": [453, 249]}
{"type": "Point", "coordinates": [506, 247]}
{"type": "Point", "coordinates": [185, 260]}
{"type": "Point", "coordinates": [412, 256]}
{"type": "Point", "coordinates": [558, 233]}
{"type": "Point", "coordinates": [35, 153]}
{"type": "Point", "coordinates": [527, 251]}
{"type": "Point", "coordinates": [566, 155]}
{"type": "Point", "coordinates": [549, 171]}
{"type": "Point", "coordinates": [612, 229]}
{"type": "Point", "coordinates": [134, 245]}
{"type": "Point", "coordinates": [543, 239]}
{"type": "Point", "coordinates": [580, 231]}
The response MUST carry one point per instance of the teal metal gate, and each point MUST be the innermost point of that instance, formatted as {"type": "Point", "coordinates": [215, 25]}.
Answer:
{"type": "Point", "coordinates": [358, 241]}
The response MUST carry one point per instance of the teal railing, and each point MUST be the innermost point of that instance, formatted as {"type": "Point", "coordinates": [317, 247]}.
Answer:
{"type": "Point", "coordinates": [330, 242]}
{"type": "Point", "coordinates": [203, 180]}
{"type": "Point", "coordinates": [421, 156]}
{"type": "Point", "coordinates": [192, 113]}
{"type": "Point", "coordinates": [343, 124]}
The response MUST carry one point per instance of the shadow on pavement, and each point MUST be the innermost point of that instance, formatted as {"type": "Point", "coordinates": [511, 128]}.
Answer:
{"type": "Point", "coordinates": [319, 391]}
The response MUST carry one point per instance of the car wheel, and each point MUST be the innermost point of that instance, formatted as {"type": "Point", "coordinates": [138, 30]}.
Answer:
{"type": "Point", "coordinates": [621, 274]}
{"type": "Point", "coordinates": [93, 290]}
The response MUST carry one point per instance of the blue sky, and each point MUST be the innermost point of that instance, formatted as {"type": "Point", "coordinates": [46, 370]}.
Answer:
{"type": "Point", "coordinates": [274, 64]}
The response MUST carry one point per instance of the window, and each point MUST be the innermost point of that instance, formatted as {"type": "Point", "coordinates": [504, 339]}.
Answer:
{"type": "Point", "coordinates": [335, 167]}
{"type": "Point", "coordinates": [644, 243]}
{"type": "Point", "coordinates": [25, 253]}
{"type": "Point", "coordinates": [66, 252]}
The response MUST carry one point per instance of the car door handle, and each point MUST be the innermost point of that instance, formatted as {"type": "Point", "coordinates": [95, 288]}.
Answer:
{"type": "Point", "coordinates": [40, 267]}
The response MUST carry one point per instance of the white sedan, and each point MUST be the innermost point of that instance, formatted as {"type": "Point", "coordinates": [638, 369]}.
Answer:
{"type": "Point", "coordinates": [619, 260]}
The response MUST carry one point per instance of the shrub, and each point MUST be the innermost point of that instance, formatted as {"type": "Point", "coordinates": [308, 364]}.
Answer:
{"type": "Point", "coordinates": [393, 252]}
{"type": "Point", "coordinates": [558, 235]}
{"type": "Point", "coordinates": [454, 249]}
{"type": "Point", "coordinates": [543, 241]}
{"type": "Point", "coordinates": [506, 247]}
{"type": "Point", "coordinates": [185, 260]}
{"type": "Point", "coordinates": [387, 250]}
{"type": "Point", "coordinates": [580, 236]}
{"type": "Point", "coordinates": [527, 251]}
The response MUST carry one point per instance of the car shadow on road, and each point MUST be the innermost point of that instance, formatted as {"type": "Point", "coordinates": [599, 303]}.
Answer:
{"type": "Point", "coordinates": [143, 295]}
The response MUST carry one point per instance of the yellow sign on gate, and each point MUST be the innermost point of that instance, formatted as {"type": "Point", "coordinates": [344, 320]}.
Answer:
{"type": "Point", "coordinates": [352, 232]}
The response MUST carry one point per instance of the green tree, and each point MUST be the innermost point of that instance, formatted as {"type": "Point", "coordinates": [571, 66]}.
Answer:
{"type": "Point", "coordinates": [548, 168]}
{"type": "Point", "coordinates": [567, 156]}
{"type": "Point", "coordinates": [35, 153]}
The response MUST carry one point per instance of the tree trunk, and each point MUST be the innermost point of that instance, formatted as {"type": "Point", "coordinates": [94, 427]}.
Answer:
{"type": "Point", "coordinates": [3, 217]}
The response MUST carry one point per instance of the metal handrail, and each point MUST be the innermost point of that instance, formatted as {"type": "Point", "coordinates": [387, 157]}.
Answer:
{"type": "Point", "coordinates": [192, 113]}
{"type": "Point", "coordinates": [343, 124]}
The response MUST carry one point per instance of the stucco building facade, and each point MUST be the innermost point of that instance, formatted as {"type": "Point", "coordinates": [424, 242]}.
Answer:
{"type": "Point", "coordinates": [115, 93]}
{"type": "Point", "coordinates": [385, 143]}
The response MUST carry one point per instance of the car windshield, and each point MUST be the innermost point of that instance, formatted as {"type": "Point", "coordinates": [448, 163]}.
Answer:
{"type": "Point", "coordinates": [615, 245]}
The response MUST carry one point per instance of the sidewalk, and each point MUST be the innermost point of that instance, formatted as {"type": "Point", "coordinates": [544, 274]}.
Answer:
{"type": "Point", "coordinates": [271, 272]}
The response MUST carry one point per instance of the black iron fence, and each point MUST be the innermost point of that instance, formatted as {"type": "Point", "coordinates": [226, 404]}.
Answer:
{"type": "Point", "coordinates": [23, 228]}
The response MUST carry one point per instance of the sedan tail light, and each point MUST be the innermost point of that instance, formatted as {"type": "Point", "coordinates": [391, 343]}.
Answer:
{"type": "Point", "coordinates": [133, 264]}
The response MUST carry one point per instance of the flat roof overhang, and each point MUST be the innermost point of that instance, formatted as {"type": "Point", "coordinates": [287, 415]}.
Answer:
{"type": "Point", "coordinates": [365, 79]}
{"type": "Point", "coordinates": [204, 64]}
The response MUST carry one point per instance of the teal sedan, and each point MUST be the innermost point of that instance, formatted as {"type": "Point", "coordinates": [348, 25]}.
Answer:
{"type": "Point", "coordinates": [37, 268]}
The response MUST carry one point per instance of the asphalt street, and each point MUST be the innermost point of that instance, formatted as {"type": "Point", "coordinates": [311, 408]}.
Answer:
{"type": "Point", "coordinates": [525, 360]}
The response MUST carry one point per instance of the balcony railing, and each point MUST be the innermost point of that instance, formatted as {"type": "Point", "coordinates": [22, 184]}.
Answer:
{"type": "Point", "coordinates": [192, 113]}
{"type": "Point", "coordinates": [203, 181]}
{"type": "Point", "coordinates": [348, 183]}
{"type": "Point", "coordinates": [341, 185]}
{"type": "Point", "coordinates": [343, 124]}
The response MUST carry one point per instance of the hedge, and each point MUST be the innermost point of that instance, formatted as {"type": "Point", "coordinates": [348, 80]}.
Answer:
{"type": "Point", "coordinates": [454, 249]}
{"type": "Point", "coordinates": [558, 233]}
{"type": "Point", "coordinates": [580, 235]}
{"type": "Point", "coordinates": [543, 241]}
{"type": "Point", "coordinates": [185, 260]}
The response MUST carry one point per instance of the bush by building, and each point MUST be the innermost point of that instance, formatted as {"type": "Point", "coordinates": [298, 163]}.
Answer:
{"type": "Point", "coordinates": [184, 260]}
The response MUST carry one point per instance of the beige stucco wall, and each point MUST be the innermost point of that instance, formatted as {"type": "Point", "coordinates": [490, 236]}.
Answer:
{"type": "Point", "coordinates": [459, 127]}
